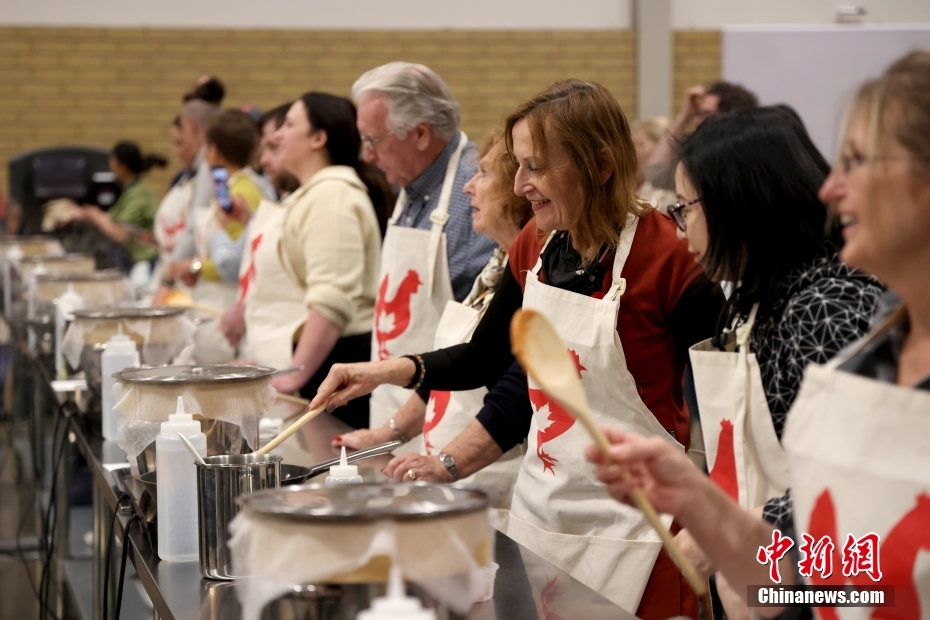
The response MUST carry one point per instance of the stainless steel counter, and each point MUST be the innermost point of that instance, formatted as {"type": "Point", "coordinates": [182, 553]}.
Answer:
{"type": "Point", "coordinates": [527, 587]}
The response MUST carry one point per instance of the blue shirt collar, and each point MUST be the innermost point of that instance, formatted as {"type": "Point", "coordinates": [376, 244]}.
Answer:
{"type": "Point", "coordinates": [430, 180]}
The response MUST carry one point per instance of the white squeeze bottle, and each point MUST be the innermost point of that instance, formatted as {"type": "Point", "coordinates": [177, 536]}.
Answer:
{"type": "Point", "coordinates": [178, 539]}
{"type": "Point", "coordinates": [343, 473]}
{"type": "Point", "coordinates": [120, 354]}
{"type": "Point", "coordinates": [396, 605]}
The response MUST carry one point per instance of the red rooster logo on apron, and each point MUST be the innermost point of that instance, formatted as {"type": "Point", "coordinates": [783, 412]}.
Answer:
{"type": "Point", "coordinates": [397, 308]}
{"type": "Point", "coordinates": [560, 420]}
{"type": "Point", "coordinates": [899, 551]}
{"type": "Point", "coordinates": [440, 402]}
{"type": "Point", "coordinates": [249, 276]}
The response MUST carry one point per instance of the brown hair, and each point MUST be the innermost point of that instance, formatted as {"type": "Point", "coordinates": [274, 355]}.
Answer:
{"type": "Point", "coordinates": [898, 106]}
{"type": "Point", "coordinates": [235, 137]}
{"type": "Point", "coordinates": [517, 208]}
{"type": "Point", "coordinates": [589, 124]}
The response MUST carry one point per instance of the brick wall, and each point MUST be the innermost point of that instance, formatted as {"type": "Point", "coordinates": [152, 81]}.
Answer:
{"type": "Point", "coordinates": [696, 58]}
{"type": "Point", "coordinates": [97, 86]}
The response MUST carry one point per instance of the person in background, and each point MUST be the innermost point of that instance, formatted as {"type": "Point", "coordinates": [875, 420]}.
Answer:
{"type": "Point", "coordinates": [699, 104]}
{"type": "Point", "coordinates": [261, 238]}
{"type": "Point", "coordinates": [440, 416]}
{"type": "Point", "coordinates": [129, 223]}
{"type": "Point", "coordinates": [330, 245]}
{"type": "Point", "coordinates": [647, 132]}
{"type": "Point", "coordinates": [856, 434]}
{"type": "Point", "coordinates": [409, 124]}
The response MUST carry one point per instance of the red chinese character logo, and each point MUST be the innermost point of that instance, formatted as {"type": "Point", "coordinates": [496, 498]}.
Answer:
{"type": "Point", "coordinates": [862, 556]}
{"type": "Point", "coordinates": [817, 556]}
{"type": "Point", "coordinates": [773, 553]}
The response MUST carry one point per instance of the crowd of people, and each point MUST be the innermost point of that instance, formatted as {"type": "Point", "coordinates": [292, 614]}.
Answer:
{"type": "Point", "coordinates": [715, 265]}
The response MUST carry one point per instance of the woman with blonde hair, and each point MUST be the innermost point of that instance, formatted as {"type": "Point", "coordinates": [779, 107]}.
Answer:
{"type": "Point", "coordinates": [441, 415]}
{"type": "Point", "coordinates": [856, 436]}
{"type": "Point", "coordinates": [628, 300]}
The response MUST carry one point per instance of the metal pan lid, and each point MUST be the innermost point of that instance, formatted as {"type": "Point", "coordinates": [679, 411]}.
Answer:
{"type": "Point", "coordinates": [366, 502]}
{"type": "Point", "coordinates": [56, 258]}
{"type": "Point", "coordinates": [127, 313]}
{"type": "Point", "coordinates": [192, 375]}
{"type": "Point", "coordinates": [105, 275]}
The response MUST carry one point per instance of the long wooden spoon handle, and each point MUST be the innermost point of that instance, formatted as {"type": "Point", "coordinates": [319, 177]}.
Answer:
{"type": "Point", "coordinates": [297, 400]}
{"type": "Point", "coordinates": [290, 430]}
{"type": "Point", "coordinates": [698, 583]}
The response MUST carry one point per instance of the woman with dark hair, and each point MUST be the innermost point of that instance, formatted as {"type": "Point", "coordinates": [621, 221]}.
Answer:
{"type": "Point", "coordinates": [330, 244]}
{"type": "Point", "coordinates": [130, 221]}
{"type": "Point", "coordinates": [748, 207]}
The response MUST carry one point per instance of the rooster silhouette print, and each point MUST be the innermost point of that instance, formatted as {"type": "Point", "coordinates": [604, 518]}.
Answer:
{"type": "Point", "coordinates": [560, 420]}
{"type": "Point", "coordinates": [249, 276]}
{"type": "Point", "coordinates": [899, 551]}
{"type": "Point", "coordinates": [392, 316]}
{"type": "Point", "coordinates": [724, 470]}
{"type": "Point", "coordinates": [440, 402]}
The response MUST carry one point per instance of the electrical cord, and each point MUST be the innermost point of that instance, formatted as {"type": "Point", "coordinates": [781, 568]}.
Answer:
{"type": "Point", "coordinates": [106, 567]}
{"type": "Point", "coordinates": [122, 566]}
{"type": "Point", "coordinates": [51, 519]}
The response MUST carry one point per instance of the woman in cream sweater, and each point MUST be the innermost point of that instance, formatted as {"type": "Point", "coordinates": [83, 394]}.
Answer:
{"type": "Point", "coordinates": [330, 245]}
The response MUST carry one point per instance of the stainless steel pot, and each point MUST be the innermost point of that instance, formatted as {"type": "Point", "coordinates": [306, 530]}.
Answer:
{"type": "Point", "coordinates": [221, 481]}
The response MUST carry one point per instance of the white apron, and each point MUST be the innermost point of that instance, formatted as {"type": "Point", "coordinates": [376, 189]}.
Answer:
{"type": "Point", "coordinates": [449, 413]}
{"type": "Point", "coordinates": [274, 303]}
{"type": "Point", "coordinates": [559, 510]}
{"type": "Point", "coordinates": [210, 345]}
{"type": "Point", "coordinates": [170, 220]}
{"type": "Point", "coordinates": [732, 404]}
{"type": "Point", "coordinates": [860, 463]}
{"type": "Point", "coordinates": [414, 288]}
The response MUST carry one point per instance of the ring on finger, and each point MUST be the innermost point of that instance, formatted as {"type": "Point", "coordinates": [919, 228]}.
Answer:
{"type": "Point", "coordinates": [412, 474]}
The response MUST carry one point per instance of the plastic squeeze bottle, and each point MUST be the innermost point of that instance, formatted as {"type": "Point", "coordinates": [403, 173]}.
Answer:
{"type": "Point", "coordinates": [343, 473]}
{"type": "Point", "coordinates": [120, 354]}
{"type": "Point", "coordinates": [396, 605]}
{"type": "Point", "coordinates": [178, 539]}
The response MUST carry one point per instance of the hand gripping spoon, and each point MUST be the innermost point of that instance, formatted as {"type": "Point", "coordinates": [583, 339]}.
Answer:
{"type": "Point", "coordinates": [544, 355]}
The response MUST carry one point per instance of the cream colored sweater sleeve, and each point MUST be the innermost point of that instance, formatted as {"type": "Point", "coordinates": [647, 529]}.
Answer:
{"type": "Point", "coordinates": [325, 238]}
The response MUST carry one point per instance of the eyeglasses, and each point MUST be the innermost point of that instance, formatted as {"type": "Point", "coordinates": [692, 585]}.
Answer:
{"type": "Point", "coordinates": [372, 143]}
{"type": "Point", "coordinates": [675, 212]}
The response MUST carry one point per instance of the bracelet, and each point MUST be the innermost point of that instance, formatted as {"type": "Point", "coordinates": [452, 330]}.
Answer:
{"type": "Point", "coordinates": [169, 282]}
{"type": "Point", "coordinates": [418, 378]}
{"type": "Point", "coordinates": [397, 432]}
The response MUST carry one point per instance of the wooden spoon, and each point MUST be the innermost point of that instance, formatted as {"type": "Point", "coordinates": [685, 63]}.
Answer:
{"type": "Point", "coordinates": [544, 355]}
{"type": "Point", "coordinates": [290, 430]}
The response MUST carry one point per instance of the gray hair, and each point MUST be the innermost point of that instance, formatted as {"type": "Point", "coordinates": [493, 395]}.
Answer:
{"type": "Point", "coordinates": [200, 111]}
{"type": "Point", "coordinates": [414, 94]}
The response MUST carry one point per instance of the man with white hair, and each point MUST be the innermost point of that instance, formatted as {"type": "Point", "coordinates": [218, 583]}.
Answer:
{"type": "Point", "coordinates": [409, 124]}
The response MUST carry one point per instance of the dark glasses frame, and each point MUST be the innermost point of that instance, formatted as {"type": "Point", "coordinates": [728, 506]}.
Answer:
{"type": "Point", "coordinates": [674, 212]}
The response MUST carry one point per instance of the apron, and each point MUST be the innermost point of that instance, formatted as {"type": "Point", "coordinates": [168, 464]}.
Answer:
{"type": "Point", "coordinates": [414, 288]}
{"type": "Point", "coordinates": [860, 464]}
{"type": "Point", "coordinates": [210, 345]}
{"type": "Point", "coordinates": [559, 511]}
{"type": "Point", "coordinates": [170, 220]}
{"type": "Point", "coordinates": [732, 404]}
{"type": "Point", "coordinates": [449, 413]}
{"type": "Point", "coordinates": [274, 305]}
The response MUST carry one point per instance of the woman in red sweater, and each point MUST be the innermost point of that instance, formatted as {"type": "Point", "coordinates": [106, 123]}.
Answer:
{"type": "Point", "coordinates": [628, 299]}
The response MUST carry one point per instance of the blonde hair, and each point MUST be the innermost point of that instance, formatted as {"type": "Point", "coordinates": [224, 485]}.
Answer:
{"type": "Point", "coordinates": [653, 127]}
{"type": "Point", "coordinates": [590, 125]}
{"type": "Point", "coordinates": [517, 208]}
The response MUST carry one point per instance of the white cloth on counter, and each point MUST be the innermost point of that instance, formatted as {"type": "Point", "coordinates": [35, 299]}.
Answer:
{"type": "Point", "coordinates": [159, 340]}
{"type": "Point", "coordinates": [144, 408]}
{"type": "Point", "coordinates": [275, 554]}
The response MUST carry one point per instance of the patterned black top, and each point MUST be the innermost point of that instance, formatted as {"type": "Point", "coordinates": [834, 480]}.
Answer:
{"type": "Point", "coordinates": [821, 307]}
